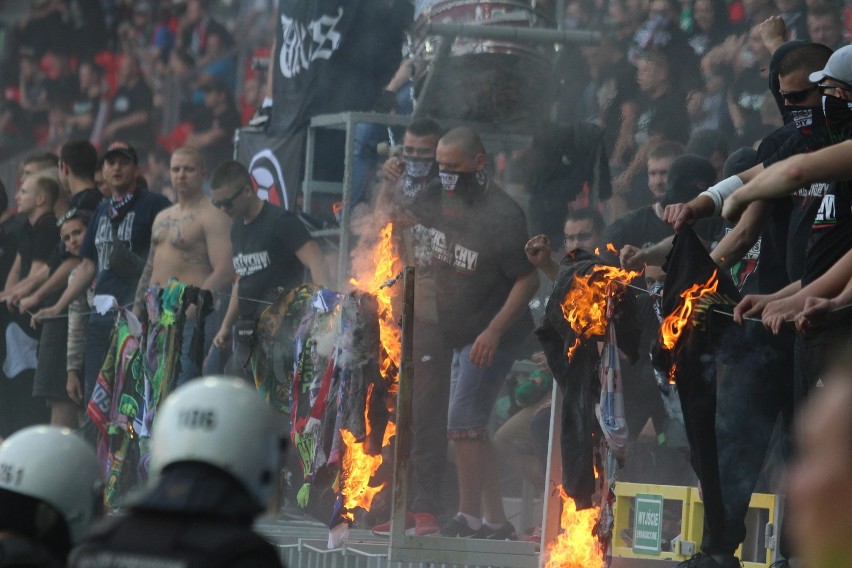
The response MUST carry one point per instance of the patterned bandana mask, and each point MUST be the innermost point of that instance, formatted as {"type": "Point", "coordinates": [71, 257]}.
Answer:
{"type": "Point", "coordinates": [418, 172]}
{"type": "Point", "coordinates": [461, 186]}
{"type": "Point", "coordinates": [469, 185]}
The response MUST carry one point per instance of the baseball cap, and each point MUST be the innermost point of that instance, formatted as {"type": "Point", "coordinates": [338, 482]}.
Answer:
{"type": "Point", "coordinates": [122, 148]}
{"type": "Point", "coordinates": [838, 67]}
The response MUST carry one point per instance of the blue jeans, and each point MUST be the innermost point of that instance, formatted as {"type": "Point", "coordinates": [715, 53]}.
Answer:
{"type": "Point", "coordinates": [473, 392]}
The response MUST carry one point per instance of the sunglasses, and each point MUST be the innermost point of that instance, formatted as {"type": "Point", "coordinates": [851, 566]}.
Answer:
{"type": "Point", "coordinates": [796, 97]}
{"type": "Point", "coordinates": [228, 202]}
{"type": "Point", "coordinates": [73, 213]}
{"type": "Point", "coordinates": [824, 87]}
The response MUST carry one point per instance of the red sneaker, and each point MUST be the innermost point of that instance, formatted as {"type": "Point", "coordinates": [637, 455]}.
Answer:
{"type": "Point", "coordinates": [424, 524]}
{"type": "Point", "coordinates": [534, 536]}
{"type": "Point", "coordinates": [385, 528]}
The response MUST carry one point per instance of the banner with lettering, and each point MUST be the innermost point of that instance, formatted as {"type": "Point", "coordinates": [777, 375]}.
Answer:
{"type": "Point", "coordinates": [333, 56]}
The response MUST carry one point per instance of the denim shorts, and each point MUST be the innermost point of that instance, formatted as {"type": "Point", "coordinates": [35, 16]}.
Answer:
{"type": "Point", "coordinates": [473, 392]}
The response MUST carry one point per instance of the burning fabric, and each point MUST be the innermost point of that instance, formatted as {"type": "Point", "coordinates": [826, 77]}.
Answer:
{"type": "Point", "coordinates": [321, 350]}
{"type": "Point", "coordinates": [693, 337]}
{"type": "Point", "coordinates": [575, 321]}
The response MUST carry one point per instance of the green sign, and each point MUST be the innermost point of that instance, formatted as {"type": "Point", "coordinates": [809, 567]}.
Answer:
{"type": "Point", "coordinates": [647, 524]}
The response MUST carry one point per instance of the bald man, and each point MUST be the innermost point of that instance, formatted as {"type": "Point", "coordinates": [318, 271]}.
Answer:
{"type": "Point", "coordinates": [486, 283]}
{"type": "Point", "coordinates": [190, 242]}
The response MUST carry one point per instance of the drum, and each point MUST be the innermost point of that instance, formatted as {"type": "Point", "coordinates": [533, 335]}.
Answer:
{"type": "Point", "coordinates": [485, 80]}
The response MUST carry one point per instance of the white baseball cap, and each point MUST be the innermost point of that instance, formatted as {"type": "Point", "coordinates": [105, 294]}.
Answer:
{"type": "Point", "coordinates": [838, 67]}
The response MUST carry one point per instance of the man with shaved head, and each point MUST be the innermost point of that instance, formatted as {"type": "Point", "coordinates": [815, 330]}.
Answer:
{"type": "Point", "coordinates": [484, 283]}
{"type": "Point", "coordinates": [190, 242]}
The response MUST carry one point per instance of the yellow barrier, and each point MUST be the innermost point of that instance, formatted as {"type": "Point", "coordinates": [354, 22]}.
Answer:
{"type": "Point", "coordinates": [691, 522]}
{"type": "Point", "coordinates": [768, 503]}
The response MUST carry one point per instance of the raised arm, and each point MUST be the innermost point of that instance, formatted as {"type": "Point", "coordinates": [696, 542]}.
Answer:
{"type": "Point", "coordinates": [782, 178]}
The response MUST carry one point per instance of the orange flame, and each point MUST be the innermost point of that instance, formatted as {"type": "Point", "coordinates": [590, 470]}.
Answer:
{"type": "Point", "coordinates": [577, 546]}
{"type": "Point", "coordinates": [584, 306]}
{"type": "Point", "coordinates": [358, 466]}
{"type": "Point", "coordinates": [675, 322]}
{"type": "Point", "coordinates": [672, 373]}
{"type": "Point", "coordinates": [611, 248]}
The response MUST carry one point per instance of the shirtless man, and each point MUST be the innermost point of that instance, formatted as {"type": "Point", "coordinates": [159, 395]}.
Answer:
{"type": "Point", "coordinates": [190, 241]}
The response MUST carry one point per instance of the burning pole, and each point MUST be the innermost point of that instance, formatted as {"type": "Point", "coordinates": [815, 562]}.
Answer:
{"type": "Point", "coordinates": [403, 410]}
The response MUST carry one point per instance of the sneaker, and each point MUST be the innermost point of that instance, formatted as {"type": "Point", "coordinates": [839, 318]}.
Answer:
{"type": "Point", "coordinates": [457, 526]}
{"type": "Point", "coordinates": [384, 529]}
{"type": "Point", "coordinates": [424, 525]}
{"type": "Point", "coordinates": [534, 536]}
{"type": "Point", "coordinates": [703, 560]}
{"type": "Point", "coordinates": [505, 532]}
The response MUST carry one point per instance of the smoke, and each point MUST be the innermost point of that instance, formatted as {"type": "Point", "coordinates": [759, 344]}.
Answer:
{"type": "Point", "coordinates": [366, 224]}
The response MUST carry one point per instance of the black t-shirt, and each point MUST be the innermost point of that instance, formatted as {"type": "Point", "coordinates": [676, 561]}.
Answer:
{"type": "Point", "coordinates": [80, 106]}
{"type": "Point", "coordinates": [665, 116]}
{"type": "Point", "coordinates": [477, 258]}
{"type": "Point", "coordinates": [805, 200]}
{"type": "Point", "coordinates": [10, 232]}
{"type": "Point", "coordinates": [265, 256]}
{"type": "Point", "coordinates": [61, 89]}
{"type": "Point", "coordinates": [771, 271]}
{"type": "Point", "coordinates": [831, 232]}
{"type": "Point", "coordinates": [134, 230]}
{"type": "Point", "coordinates": [127, 101]}
{"type": "Point", "coordinates": [37, 242]}
{"type": "Point", "coordinates": [86, 200]}
{"type": "Point", "coordinates": [222, 150]}
{"type": "Point", "coordinates": [615, 87]}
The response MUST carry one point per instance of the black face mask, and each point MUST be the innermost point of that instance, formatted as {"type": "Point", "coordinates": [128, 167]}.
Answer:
{"type": "Point", "coordinates": [418, 172]}
{"type": "Point", "coordinates": [838, 114]}
{"type": "Point", "coordinates": [467, 185]}
{"type": "Point", "coordinates": [805, 118]}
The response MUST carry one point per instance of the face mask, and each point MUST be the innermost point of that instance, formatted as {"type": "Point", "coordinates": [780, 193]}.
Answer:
{"type": "Point", "coordinates": [468, 185]}
{"type": "Point", "coordinates": [418, 171]}
{"type": "Point", "coordinates": [838, 113]}
{"type": "Point", "coordinates": [806, 119]}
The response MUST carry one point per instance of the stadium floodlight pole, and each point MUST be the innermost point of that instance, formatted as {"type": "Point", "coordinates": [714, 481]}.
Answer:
{"type": "Point", "coordinates": [513, 33]}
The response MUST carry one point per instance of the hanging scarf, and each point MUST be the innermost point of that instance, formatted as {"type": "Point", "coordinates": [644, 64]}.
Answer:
{"type": "Point", "coordinates": [119, 206]}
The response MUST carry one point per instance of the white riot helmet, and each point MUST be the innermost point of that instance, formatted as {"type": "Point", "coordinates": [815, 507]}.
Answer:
{"type": "Point", "coordinates": [53, 465]}
{"type": "Point", "coordinates": [220, 421]}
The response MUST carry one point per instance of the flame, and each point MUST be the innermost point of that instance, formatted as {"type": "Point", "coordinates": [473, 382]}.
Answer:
{"type": "Point", "coordinates": [611, 248]}
{"type": "Point", "coordinates": [358, 466]}
{"type": "Point", "coordinates": [672, 373]}
{"type": "Point", "coordinates": [577, 546]}
{"type": "Point", "coordinates": [675, 322]}
{"type": "Point", "coordinates": [584, 306]}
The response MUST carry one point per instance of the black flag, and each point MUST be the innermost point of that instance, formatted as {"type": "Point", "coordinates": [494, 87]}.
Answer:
{"type": "Point", "coordinates": [333, 56]}
{"type": "Point", "coordinates": [707, 337]}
